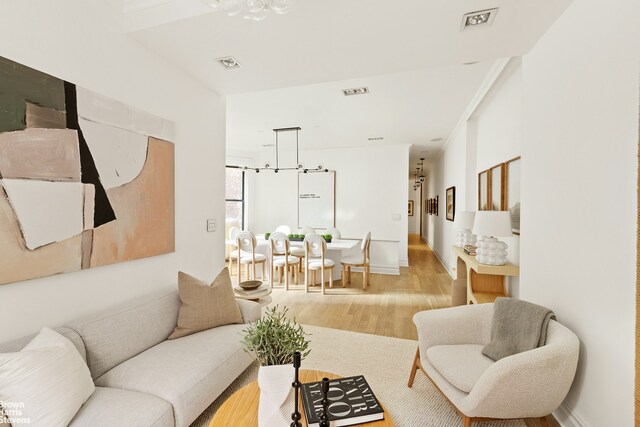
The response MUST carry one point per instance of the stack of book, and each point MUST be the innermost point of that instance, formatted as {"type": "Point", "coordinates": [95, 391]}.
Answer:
{"type": "Point", "coordinates": [351, 401]}
{"type": "Point", "coordinates": [470, 250]}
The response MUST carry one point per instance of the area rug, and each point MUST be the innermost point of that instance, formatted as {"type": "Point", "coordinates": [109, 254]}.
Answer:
{"type": "Point", "coordinates": [385, 362]}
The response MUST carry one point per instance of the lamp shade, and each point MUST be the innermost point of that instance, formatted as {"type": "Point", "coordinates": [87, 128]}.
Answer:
{"type": "Point", "coordinates": [492, 224]}
{"type": "Point", "coordinates": [464, 220]}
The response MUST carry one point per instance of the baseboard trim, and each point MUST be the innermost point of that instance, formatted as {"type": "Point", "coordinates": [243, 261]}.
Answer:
{"type": "Point", "coordinates": [403, 262]}
{"type": "Point", "coordinates": [444, 264]}
{"type": "Point", "coordinates": [567, 418]}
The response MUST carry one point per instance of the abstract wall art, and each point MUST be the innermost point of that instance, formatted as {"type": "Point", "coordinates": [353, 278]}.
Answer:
{"type": "Point", "coordinates": [85, 181]}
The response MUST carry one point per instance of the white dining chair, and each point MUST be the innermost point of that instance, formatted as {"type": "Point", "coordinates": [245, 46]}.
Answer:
{"type": "Point", "coordinates": [315, 248]}
{"type": "Point", "coordinates": [363, 261]}
{"type": "Point", "coordinates": [335, 233]}
{"type": "Point", "coordinates": [283, 229]}
{"type": "Point", "coordinates": [234, 253]}
{"type": "Point", "coordinates": [307, 230]}
{"type": "Point", "coordinates": [281, 260]}
{"type": "Point", "coordinates": [248, 257]}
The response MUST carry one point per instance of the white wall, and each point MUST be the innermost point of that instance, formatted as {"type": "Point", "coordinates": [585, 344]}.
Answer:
{"type": "Point", "coordinates": [447, 170]}
{"type": "Point", "coordinates": [371, 186]}
{"type": "Point", "coordinates": [579, 196]}
{"type": "Point", "coordinates": [414, 221]}
{"type": "Point", "coordinates": [80, 41]}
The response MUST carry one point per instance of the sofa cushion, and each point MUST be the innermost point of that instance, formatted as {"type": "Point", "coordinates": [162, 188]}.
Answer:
{"type": "Point", "coordinates": [205, 306]}
{"type": "Point", "coordinates": [188, 372]}
{"type": "Point", "coordinates": [109, 407]}
{"type": "Point", "coordinates": [462, 365]}
{"type": "Point", "coordinates": [116, 335]}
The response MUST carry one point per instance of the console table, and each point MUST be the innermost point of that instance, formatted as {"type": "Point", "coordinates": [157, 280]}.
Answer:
{"type": "Point", "coordinates": [485, 282]}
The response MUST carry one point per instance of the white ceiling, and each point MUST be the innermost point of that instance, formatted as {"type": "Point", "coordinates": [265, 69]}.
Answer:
{"type": "Point", "coordinates": [331, 40]}
{"type": "Point", "coordinates": [404, 108]}
{"type": "Point", "coordinates": [408, 52]}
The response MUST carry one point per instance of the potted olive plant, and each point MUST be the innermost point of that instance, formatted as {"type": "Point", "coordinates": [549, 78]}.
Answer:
{"type": "Point", "coordinates": [272, 340]}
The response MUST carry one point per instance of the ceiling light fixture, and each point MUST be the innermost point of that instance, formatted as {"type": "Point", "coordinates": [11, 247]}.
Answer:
{"type": "Point", "coordinates": [479, 17]}
{"type": "Point", "coordinates": [299, 166]}
{"type": "Point", "coordinates": [435, 140]}
{"type": "Point", "coordinates": [356, 91]}
{"type": "Point", "coordinates": [229, 62]}
{"type": "Point", "coordinates": [421, 176]}
{"type": "Point", "coordinates": [256, 10]}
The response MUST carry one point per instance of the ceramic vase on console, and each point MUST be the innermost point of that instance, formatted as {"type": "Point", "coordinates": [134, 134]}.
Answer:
{"type": "Point", "coordinates": [489, 225]}
{"type": "Point", "coordinates": [463, 223]}
{"type": "Point", "coordinates": [276, 395]}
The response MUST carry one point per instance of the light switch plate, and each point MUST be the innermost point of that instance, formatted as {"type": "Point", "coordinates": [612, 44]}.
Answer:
{"type": "Point", "coordinates": [396, 217]}
{"type": "Point", "coordinates": [211, 225]}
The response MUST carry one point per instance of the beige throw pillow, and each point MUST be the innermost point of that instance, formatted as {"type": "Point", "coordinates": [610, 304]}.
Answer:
{"type": "Point", "coordinates": [205, 306]}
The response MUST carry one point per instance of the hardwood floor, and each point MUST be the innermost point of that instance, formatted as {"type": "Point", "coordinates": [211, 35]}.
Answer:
{"type": "Point", "coordinates": [386, 307]}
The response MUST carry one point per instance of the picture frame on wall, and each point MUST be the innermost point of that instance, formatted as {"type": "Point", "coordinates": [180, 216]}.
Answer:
{"type": "Point", "coordinates": [451, 203]}
{"type": "Point", "coordinates": [410, 207]}
{"type": "Point", "coordinates": [429, 204]}
{"type": "Point", "coordinates": [483, 191]}
{"type": "Point", "coordinates": [512, 192]}
{"type": "Point", "coordinates": [426, 206]}
{"type": "Point", "coordinates": [496, 185]}
{"type": "Point", "coordinates": [436, 206]}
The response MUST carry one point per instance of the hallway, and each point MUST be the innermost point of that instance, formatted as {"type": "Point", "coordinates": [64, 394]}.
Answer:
{"type": "Point", "coordinates": [386, 307]}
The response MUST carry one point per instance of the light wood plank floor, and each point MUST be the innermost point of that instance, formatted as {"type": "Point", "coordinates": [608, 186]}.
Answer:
{"type": "Point", "coordinates": [386, 307]}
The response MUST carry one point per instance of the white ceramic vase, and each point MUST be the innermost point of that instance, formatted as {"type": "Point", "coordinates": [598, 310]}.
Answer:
{"type": "Point", "coordinates": [491, 251]}
{"type": "Point", "coordinates": [276, 395]}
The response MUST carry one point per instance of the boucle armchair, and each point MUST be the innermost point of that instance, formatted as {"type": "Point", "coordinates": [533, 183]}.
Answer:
{"type": "Point", "coordinates": [531, 384]}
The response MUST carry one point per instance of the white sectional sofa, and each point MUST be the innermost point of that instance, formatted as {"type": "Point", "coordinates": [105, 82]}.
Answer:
{"type": "Point", "coordinates": [143, 379]}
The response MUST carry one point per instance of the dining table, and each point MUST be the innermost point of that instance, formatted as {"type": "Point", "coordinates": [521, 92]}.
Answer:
{"type": "Point", "coordinates": [335, 250]}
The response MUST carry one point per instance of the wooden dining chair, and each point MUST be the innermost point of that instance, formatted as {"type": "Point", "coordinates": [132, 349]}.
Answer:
{"type": "Point", "coordinates": [335, 233]}
{"type": "Point", "coordinates": [235, 252]}
{"type": "Point", "coordinates": [284, 229]}
{"type": "Point", "coordinates": [281, 260]}
{"type": "Point", "coordinates": [363, 261]}
{"type": "Point", "coordinates": [248, 257]}
{"type": "Point", "coordinates": [315, 248]}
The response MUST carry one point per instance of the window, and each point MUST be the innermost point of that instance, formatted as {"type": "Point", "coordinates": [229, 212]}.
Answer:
{"type": "Point", "coordinates": [234, 196]}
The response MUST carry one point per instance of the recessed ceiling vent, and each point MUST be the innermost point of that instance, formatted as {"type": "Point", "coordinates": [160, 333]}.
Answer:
{"type": "Point", "coordinates": [356, 91]}
{"type": "Point", "coordinates": [376, 138]}
{"type": "Point", "coordinates": [479, 18]}
{"type": "Point", "coordinates": [229, 62]}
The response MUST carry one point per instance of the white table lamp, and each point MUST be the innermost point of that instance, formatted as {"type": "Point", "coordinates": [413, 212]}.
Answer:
{"type": "Point", "coordinates": [463, 223]}
{"type": "Point", "coordinates": [487, 226]}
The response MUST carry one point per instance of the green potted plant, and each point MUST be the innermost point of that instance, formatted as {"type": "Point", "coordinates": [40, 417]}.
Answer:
{"type": "Point", "coordinates": [266, 236]}
{"type": "Point", "coordinates": [272, 340]}
{"type": "Point", "coordinates": [327, 237]}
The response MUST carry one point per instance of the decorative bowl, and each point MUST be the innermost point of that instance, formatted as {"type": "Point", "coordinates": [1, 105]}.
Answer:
{"type": "Point", "coordinates": [250, 284]}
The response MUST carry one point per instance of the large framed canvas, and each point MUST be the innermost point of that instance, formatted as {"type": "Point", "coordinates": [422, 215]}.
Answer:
{"type": "Point", "coordinates": [451, 203]}
{"type": "Point", "coordinates": [496, 185]}
{"type": "Point", "coordinates": [85, 180]}
{"type": "Point", "coordinates": [317, 199]}
{"type": "Point", "coordinates": [483, 191]}
{"type": "Point", "coordinates": [512, 190]}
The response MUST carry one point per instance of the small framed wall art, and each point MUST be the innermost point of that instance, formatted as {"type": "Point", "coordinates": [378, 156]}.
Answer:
{"type": "Point", "coordinates": [410, 207]}
{"type": "Point", "coordinates": [435, 210]}
{"type": "Point", "coordinates": [451, 203]}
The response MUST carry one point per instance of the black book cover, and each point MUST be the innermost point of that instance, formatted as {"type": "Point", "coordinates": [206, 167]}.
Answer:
{"type": "Point", "coordinates": [351, 401]}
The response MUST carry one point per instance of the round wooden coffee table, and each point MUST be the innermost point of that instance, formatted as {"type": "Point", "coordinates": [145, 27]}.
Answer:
{"type": "Point", "coordinates": [241, 409]}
